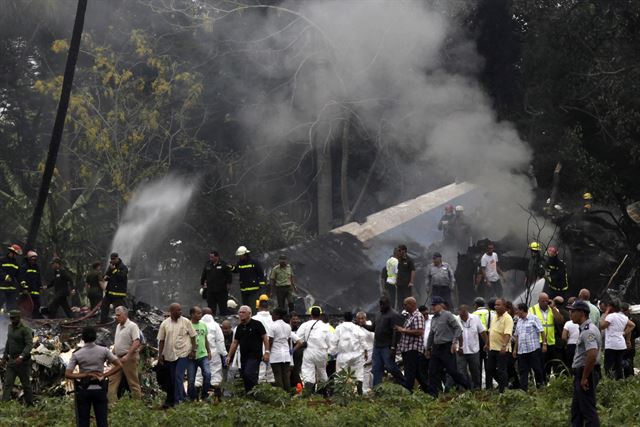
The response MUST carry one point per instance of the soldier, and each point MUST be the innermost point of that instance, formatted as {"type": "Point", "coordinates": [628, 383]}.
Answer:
{"type": "Point", "coordinates": [62, 287]}
{"type": "Point", "coordinates": [17, 357]}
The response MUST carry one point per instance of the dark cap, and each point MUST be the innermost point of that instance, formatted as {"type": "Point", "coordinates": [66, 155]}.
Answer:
{"type": "Point", "coordinates": [437, 255]}
{"type": "Point", "coordinates": [437, 300]}
{"type": "Point", "coordinates": [14, 313]}
{"type": "Point", "coordinates": [114, 255]}
{"type": "Point", "coordinates": [580, 305]}
{"type": "Point", "coordinates": [282, 257]}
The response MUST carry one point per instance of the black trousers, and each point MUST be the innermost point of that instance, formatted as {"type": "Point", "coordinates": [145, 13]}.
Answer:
{"type": "Point", "coordinates": [488, 378]}
{"type": "Point", "coordinates": [170, 400]}
{"type": "Point", "coordinates": [550, 360]}
{"type": "Point", "coordinates": [614, 363]}
{"type": "Point", "coordinates": [497, 365]}
{"type": "Point", "coordinates": [569, 352]}
{"type": "Point", "coordinates": [35, 314]}
{"type": "Point", "coordinates": [443, 360]}
{"type": "Point", "coordinates": [249, 372]}
{"type": "Point", "coordinates": [530, 362]}
{"type": "Point", "coordinates": [282, 375]}
{"type": "Point", "coordinates": [85, 399]}
{"type": "Point", "coordinates": [412, 371]}
{"type": "Point", "coordinates": [583, 405]}
{"type": "Point", "coordinates": [108, 301]}
{"type": "Point", "coordinates": [250, 297]}
{"type": "Point", "coordinates": [59, 301]}
{"type": "Point", "coordinates": [217, 301]}
{"type": "Point", "coordinates": [95, 296]}
{"type": "Point", "coordinates": [443, 292]}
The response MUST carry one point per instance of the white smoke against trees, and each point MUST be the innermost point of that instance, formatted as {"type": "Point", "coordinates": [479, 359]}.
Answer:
{"type": "Point", "coordinates": [400, 70]}
{"type": "Point", "coordinates": [151, 213]}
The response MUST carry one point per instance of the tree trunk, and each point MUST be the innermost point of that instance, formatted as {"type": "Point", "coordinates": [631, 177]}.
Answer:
{"type": "Point", "coordinates": [58, 127]}
{"type": "Point", "coordinates": [325, 195]}
{"type": "Point", "coordinates": [344, 178]}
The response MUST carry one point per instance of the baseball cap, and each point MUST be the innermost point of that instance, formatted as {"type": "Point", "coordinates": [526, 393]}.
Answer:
{"type": "Point", "coordinates": [580, 305]}
{"type": "Point", "coordinates": [437, 300]}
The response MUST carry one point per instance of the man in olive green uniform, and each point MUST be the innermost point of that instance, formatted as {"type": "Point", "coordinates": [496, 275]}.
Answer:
{"type": "Point", "coordinates": [17, 357]}
{"type": "Point", "coordinates": [282, 279]}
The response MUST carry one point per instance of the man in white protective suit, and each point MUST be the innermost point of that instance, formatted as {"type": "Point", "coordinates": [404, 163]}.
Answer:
{"type": "Point", "coordinates": [349, 343]}
{"type": "Point", "coordinates": [314, 336]}
{"type": "Point", "coordinates": [367, 377]}
{"type": "Point", "coordinates": [218, 353]}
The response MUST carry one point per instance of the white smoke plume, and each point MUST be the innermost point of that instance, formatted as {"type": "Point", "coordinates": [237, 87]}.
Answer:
{"type": "Point", "coordinates": [150, 214]}
{"type": "Point", "coordinates": [387, 65]}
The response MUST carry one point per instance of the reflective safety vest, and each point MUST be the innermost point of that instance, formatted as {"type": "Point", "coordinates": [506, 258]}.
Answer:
{"type": "Point", "coordinates": [8, 280]}
{"type": "Point", "coordinates": [483, 314]}
{"type": "Point", "coordinates": [549, 327]}
{"type": "Point", "coordinates": [392, 271]}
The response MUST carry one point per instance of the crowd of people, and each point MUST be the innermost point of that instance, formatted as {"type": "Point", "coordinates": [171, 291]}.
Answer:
{"type": "Point", "coordinates": [431, 346]}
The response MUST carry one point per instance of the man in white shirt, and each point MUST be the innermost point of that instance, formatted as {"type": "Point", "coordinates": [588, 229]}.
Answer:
{"type": "Point", "coordinates": [218, 352]}
{"type": "Point", "coordinates": [315, 334]}
{"type": "Point", "coordinates": [177, 344]}
{"type": "Point", "coordinates": [491, 273]}
{"type": "Point", "coordinates": [263, 316]}
{"type": "Point", "coordinates": [126, 346]}
{"type": "Point", "coordinates": [348, 342]}
{"type": "Point", "coordinates": [390, 287]}
{"type": "Point", "coordinates": [280, 349]}
{"type": "Point", "coordinates": [469, 354]}
{"type": "Point", "coordinates": [367, 378]}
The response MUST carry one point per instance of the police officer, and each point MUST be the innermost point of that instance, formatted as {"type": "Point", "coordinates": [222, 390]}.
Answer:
{"type": "Point", "coordinates": [90, 383]}
{"type": "Point", "coordinates": [62, 287]}
{"type": "Point", "coordinates": [9, 271]}
{"type": "Point", "coordinates": [17, 357]}
{"type": "Point", "coordinates": [585, 368]}
{"type": "Point", "coordinates": [251, 277]}
{"type": "Point", "coordinates": [116, 291]}
{"type": "Point", "coordinates": [31, 281]}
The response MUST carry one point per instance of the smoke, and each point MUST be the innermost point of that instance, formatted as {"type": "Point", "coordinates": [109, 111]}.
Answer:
{"type": "Point", "coordinates": [401, 71]}
{"type": "Point", "coordinates": [150, 214]}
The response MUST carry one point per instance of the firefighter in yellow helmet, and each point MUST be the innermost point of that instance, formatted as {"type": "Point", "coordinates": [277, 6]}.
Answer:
{"type": "Point", "coordinates": [535, 269]}
{"type": "Point", "coordinates": [587, 202]}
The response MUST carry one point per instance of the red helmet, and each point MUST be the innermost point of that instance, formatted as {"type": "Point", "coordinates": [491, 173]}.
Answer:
{"type": "Point", "coordinates": [552, 251]}
{"type": "Point", "coordinates": [16, 248]}
{"type": "Point", "coordinates": [448, 208]}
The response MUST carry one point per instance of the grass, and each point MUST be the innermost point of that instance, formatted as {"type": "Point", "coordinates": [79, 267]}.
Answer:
{"type": "Point", "coordinates": [392, 405]}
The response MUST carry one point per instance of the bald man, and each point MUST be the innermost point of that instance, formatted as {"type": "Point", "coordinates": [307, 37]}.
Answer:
{"type": "Point", "coordinates": [411, 345]}
{"type": "Point", "coordinates": [177, 344]}
{"type": "Point", "coordinates": [594, 312]}
{"type": "Point", "coordinates": [549, 316]}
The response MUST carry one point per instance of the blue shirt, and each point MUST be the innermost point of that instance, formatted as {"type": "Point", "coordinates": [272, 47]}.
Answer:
{"type": "Point", "coordinates": [528, 332]}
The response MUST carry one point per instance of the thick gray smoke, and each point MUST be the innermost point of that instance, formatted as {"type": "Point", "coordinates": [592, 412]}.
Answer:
{"type": "Point", "coordinates": [150, 214]}
{"type": "Point", "coordinates": [387, 65]}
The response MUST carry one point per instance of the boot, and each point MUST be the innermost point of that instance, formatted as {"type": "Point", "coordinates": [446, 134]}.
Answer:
{"type": "Point", "coordinates": [359, 387]}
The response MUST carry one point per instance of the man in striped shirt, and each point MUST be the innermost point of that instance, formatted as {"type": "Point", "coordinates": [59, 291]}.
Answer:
{"type": "Point", "coordinates": [411, 344]}
{"type": "Point", "coordinates": [529, 330]}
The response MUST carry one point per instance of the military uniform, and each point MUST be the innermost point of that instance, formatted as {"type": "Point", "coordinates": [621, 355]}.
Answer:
{"type": "Point", "coordinates": [583, 406]}
{"type": "Point", "coordinates": [62, 285]}
{"type": "Point", "coordinates": [17, 355]}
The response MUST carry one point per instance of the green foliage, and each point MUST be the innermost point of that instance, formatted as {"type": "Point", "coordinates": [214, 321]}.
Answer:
{"type": "Point", "coordinates": [550, 406]}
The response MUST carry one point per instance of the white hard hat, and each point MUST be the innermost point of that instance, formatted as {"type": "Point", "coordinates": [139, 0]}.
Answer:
{"type": "Point", "coordinates": [201, 291]}
{"type": "Point", "coordinates": [459, 208]}
{"type": "Point", "coordinates": [242, 250]}
{"type": "Point", "coordinates": [232, 304]}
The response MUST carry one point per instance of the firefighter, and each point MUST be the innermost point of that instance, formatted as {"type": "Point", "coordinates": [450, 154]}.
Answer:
{"type": "Point", "coordinates": [587, 202]}
{"type": "Point", "coordinates": [116, 292]}
{"type": "Point", "coordinates": [31, 281]}
{"type": "Point", "coordinates": [535, 269]}
{"type": "Point", "coordinates": [556, 280]}
{"type": "Point", "coordinates": [62, 285]}
{"type": "Point", "coordinates": [9, 279]}
{"type": "Point", "coordinates": [251, 276]}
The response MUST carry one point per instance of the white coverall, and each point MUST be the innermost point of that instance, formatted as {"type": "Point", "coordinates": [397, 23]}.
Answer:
{"type": "Point", "coordinates": [314, 359]}
{"type": "Point", "coordinates": [218, 350]}
{"type": "Point", "coordinates": [348, 342]}
{"type": "Point", "coordinates": [266, 373]}
{"type": "Point", "coordinates": [367, 376]}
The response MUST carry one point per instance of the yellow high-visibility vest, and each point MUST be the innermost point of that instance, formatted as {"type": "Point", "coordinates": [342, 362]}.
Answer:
{"type": "Point", "coordinates": [549, 327]}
